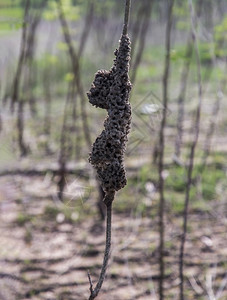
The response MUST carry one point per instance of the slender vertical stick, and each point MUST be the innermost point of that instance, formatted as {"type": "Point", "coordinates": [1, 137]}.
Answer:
{"type": "Point", "coordinates": [142, 38]}
{"type": "Point", "coordinates": [181, 97]}
{"type": "Point", "coordinates": [136, 28]}
{"type": "Point", "coordinates": [63, 147]}
{"type": "Point", "coordinates": [20, 129]}
{"type": "Point", "coordinates": [87, 27]}
{"type": "Point", "coordinates": [191, 158]}
{"type": "Point", "coordinates": [95, 291]}
{"type": "Point", "coordinates": [161, 152]}
{"type": "Point", "coordinates": [183, 87]}
{"type": "Point", "coordinates": [76, 70]}
{"type": "Point", "coordinates": [220, 90]}
{"type": "Point", "coordinates": [213, 123]}
{"type": "Point", "coordinates": [127, 11]}
{"type": "Point", "coordinates": [17, 77]}
{"type": "Point", "coordinates": [110, 178]}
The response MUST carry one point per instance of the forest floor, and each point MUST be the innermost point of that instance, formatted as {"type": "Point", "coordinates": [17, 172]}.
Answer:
{"type": "Point", "coordinates": [47, 248]}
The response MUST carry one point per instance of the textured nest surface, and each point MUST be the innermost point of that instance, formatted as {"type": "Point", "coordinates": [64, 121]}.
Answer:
{"type": "Point", "coordinates": [110, 90]}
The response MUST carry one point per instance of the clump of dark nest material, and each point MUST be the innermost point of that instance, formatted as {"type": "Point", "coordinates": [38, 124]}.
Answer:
{"type": "Point", "coordinates": [110, 90]}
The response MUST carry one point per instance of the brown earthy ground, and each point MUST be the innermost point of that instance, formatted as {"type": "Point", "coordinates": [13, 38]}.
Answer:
{"type": "Point", "coordinates": [46, 248]}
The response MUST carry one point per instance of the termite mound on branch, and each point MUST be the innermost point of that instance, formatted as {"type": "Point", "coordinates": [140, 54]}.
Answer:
{"type": "Point", "coordinates": [110, 90]}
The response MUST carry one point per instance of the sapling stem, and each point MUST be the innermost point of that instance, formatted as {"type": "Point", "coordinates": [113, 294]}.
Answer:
{"type": "Point", "coordinates": [165, 84]}
{"type": "Point", "coordinates": [127, 11]}
{"type": "Point", "coordinates": [110, 90]}
{"type": "Point", "coordinates": [192, 155]}
{"type": "Point", "coordinates": [95, 291]}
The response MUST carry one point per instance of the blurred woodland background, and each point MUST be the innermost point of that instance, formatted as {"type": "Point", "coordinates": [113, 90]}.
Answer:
{"type": "Point", "coordinates": [52, 227]}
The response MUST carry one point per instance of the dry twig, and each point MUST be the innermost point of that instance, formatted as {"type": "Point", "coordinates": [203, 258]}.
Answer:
{"type": "Point", "coordinates": [192, 154]}
{"type": "Point", "coordinates": [110, 90]}
{"type": "Point", "coordinates": [161, 152]}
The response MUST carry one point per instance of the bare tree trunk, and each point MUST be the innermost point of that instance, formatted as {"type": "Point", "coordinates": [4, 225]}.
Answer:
{"type": "Point", "coordinates": [211, 129]}
{"type": "Point", "coordinates": [20, 129]}
{"type": "Point", "coordinates": [191, 158]}
{"type": "Point", "coordinates": [29, 56]}
{"type": "Point", "coordinates": [75, 118]}
{"type": "Point", "coordinates": [161, 151]}
{"type": "Point", "coordinates": [17, 77]}
{"type": "Point", "coordinates": [48, 99]}
{"type": "Point", "coordinates": [183, 87]}
{"type": "Point", "coordinates": [80, 91]}
{"type": "Point", "coordinates": [142, 37]}
{"type": "Point", "coordinates": [24, 68]}
{"type": "Point", "coordinates": [1, 125]}
{"type": "Point", "coordinates": [72, 95]}
{"type": "Point", "coordinates": [136, 29]}
{"type": "Point", "coordinates": [76, 70]}
{"type": "Point", "coordinates": [64, 149]}
{"type": "Point", "coordinates": [181, 97]}
{"type": "Point", "coordinates": [216, 106]}
{"type": "Point", "coordinates": [47, 74]}
{"type": "Point", "coordinates": [87, 26]}
{"type": "Point", "coordinates": [212, 125]}
{"type": "Point", "coordinates": [0, 111]}
{"type": "Point", "coordinates": [76, 128]}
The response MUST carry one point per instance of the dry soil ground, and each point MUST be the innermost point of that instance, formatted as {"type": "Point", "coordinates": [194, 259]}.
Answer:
{"type": "Point", "coordinates": [45, 251]}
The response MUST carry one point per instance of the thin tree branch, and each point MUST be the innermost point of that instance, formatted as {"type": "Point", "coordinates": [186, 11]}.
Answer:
{"type": "Point", "coordinates": [181, 97]}
{"type": "Point", "coordinates": [76, 71]}
{"type": "Point", "coordinates": [126, 18]}
{"type": "Point", "coordinates": [29, 55]}
{"type": "Point", "coordinates": [212, 126]}
{"type": "Point", "coordinates": [106, 165]}
{"type": "Point", "coordinates": [192, 154]}
{"type": "Point", "coordinates": [87, 26]}
{"type": "Point", "coordinates": [183, 87]}
{"type": "Point", "coordinates": [142, 38]}
{"type": "Point", "coordinates": [20, 128]}
{"type": "Point", "coordinates": [215, 110]}
{"type": "Point", "coordinates": [17, 77]}
{"type": "Point", "coordinates": [161, 152]}
{"type": "Point", "coordinates": [136, 28]}
{"type": "Point", "coordinates": [63, 149]}
{"type": "Point", "coordinates": [95, 291]}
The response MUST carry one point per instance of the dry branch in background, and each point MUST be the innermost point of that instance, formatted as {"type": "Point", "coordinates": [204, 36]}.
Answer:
{"type": "Point", "coordinates": [29, 57]}
{"type": "Point", "coordinates": [87, 26]}
{"type": "Point", "coordinates": [181, 97]}
{"type": "Point", "coordinates": [221, 87]}
{"type": "Point", "coordinates": [183, 87]}
{"type": "Point", "coordinates": [136, 28]}
{"type": "Point", "coordinates": [141, 36]}
{"type": "Point", "coordinates": [76, 71]}
{"type": "Point", "coordinates": [24, 76]}
{"type": "Point", "coordinates": [192, 153]}
{"type": "Point", "coordinates": [17, 77]}
{"type": "Point", "coordinates": [64, 148]}
{"type": "Point", "coordinates": [161, 149]}
{"type": "Point", "coordinates": [213, 123]}
{"type": "Point", "coordinates": [16, 84]}
{"type": "Point", "coordinates": [75, 88]}
{"type": "Point", "coordinates": [110, 90]}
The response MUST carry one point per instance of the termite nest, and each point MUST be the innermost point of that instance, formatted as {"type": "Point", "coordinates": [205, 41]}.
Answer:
{"type": "Point", "coordinates": [110, 90]}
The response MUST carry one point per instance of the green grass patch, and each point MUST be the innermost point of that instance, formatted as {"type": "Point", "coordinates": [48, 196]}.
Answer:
{"type": "Point", "coordinates": [10, 19]}
{"type": "Point", "coordinates": [22, 219]}
{"type": "Point", "coordinates": [62, 214]}
{"type": "Point", "coordinates": [176, 180]}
